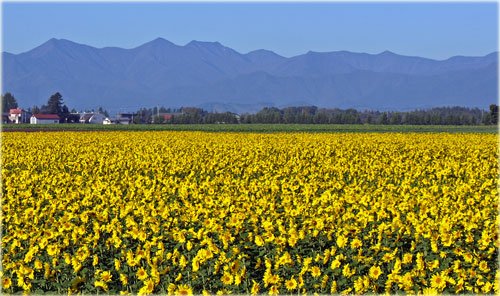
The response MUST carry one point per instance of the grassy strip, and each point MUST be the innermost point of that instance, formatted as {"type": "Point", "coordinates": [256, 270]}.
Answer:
{"type": "Point", "coordinates": [261, 128]}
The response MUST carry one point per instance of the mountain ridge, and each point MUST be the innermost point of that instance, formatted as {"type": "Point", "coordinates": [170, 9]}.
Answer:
{"type": "Point", "coordinates": [56, 40]}
{"type": "Point", "coordinates": [201, 73]}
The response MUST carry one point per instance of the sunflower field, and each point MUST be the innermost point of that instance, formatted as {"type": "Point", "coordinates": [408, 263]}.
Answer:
{"type": "Point", "coordinates": [232, 213]}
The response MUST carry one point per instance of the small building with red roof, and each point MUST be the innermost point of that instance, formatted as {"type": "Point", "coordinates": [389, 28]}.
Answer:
{"type": "Point", "coordinates": [44, 118]}
{"type": "Point", "coordinates": [15, 115]}
{"type": "Point", "coordinates": [16, 111]}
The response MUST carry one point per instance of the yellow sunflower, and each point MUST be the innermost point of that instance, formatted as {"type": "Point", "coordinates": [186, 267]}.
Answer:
{"type": "Point", "coordinates": [291, 284]}
{"type": "Point", "coordinates": [184, 290]}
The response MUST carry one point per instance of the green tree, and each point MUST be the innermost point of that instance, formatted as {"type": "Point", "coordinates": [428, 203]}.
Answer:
{"type": "Point", "coordinates": [369, 119]}
{"type": "Point", "coordinates": [35, 109]}
{"type": "Point", "coordinates": [494, 113]}
{"type": "Point", "coordinates": [158, 119]}
{"type": "Point", "coordinates": [55, 105]}
{"type": "Point", "coordinates": [8, 102]}
{"type": "Point", "coordinates": [103, 111]}
{"type": "Point", "coordinates": [396, 118]}
{"type": "Point", "coordinates": [384, 119]}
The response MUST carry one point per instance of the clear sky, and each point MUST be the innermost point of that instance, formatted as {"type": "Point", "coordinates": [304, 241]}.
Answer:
{"type": "Point", "coordinates": [427, 29]}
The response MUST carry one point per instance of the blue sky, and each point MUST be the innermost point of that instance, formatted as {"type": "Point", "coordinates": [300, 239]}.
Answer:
{"type": "Point", "coordinates": [433, 30]}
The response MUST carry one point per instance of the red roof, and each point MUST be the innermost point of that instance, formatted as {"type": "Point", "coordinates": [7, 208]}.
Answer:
{"type": "Point", "coordinates": [15, 111]}
{"type": "Point", "coordinates": [46, 116]}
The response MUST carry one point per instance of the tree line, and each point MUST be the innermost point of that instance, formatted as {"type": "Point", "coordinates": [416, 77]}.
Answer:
{"type": "Point", "coordinates": [432, 116]}
{"type": "Point", "coordinates": [292, 115]}
{"type": "Point", "coordinates": [315, 115]}
{"type": "Point", "coordinates": [184, 115]}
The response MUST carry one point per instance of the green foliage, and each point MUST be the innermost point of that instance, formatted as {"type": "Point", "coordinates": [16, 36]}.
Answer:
{"type": "Point", "coordinates": [312, 114]}
{"type": "Point", "coordinates": [384, 119]}
{"type": "Point", "coordinates": [494, 114]}
{"type": "Point", "coordinates": [55, 105]}
{"type": "Point", "coordinates": [102, 111]}
{"type": "Point", "coordinates": [35, 109]}
{"type": "Point", "coordinates": [8, 102]}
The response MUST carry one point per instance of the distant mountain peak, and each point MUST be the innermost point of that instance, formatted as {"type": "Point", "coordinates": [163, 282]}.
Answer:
{"type": "Point", "coordinates": [158, 42]}
{"type": "Point", "coordinates": [62, 41]}
{"type": "Point", "coordinates": [263, 52]}
{"type": "Point", "coordinates": [312, 53]}
{"type": "Point", "coordinates": [387, 53]}
{"type": "Point", "coordinates": [51, 42]}
{"type": "Point", "coordinates": [55, 44]}
{"type": "Point", "coordinates": [196, 43]}
{"type": "Point", "coordinates": [212, 47]}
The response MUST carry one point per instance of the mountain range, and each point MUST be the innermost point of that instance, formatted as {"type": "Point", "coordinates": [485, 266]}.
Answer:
{"type": "Point", "coordinates": [218, 78]}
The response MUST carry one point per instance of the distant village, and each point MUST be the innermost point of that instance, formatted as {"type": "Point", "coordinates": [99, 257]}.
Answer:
{"type": "Point", "coordinates": [18, 115]}
{"type": "Point", "coordinates": [143, 116]}
{"type": "Point", "coordinates": [55, 112]}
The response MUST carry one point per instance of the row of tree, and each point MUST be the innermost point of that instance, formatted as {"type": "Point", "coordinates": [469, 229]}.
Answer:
{"type": "Point", "coordinates": [315, 115]}
{"type": "Point", "coordinates": [184, 115]}
{"type": "Point", "coordinates": [303, 114]}
{"type": "Point", "coordinates": [433, 116]}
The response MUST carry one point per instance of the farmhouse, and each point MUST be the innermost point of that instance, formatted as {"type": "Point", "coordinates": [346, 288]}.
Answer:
{"type": "Point", "coordinates": [44, 118]}
{"type": "Point", "coordinates": [92, 118]}
{"type": "Point", "coordinates": [17, 115]}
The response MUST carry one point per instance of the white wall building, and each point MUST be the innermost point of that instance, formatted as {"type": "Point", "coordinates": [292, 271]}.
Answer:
{"type": "Point", "coordinates": [107, 121]}
{"type": "Point", "coordinates": [44, 118]}
{"type": "Point", "coordinates": [95, 118]}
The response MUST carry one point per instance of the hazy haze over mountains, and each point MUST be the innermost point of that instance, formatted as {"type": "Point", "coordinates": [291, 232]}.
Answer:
{"type": "Point", "coordinates": [210, 75]}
